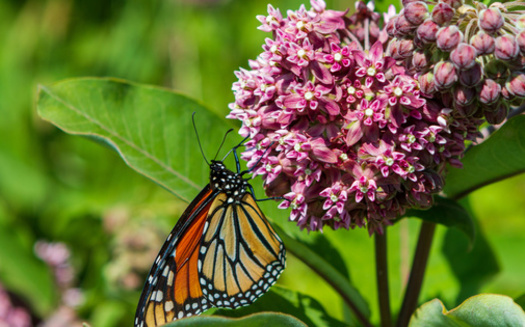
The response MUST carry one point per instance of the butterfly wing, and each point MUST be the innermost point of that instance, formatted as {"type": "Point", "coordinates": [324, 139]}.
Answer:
{"type": "Point", "coordinates": [222, 252]}
{"type": "Point", "coordinates": [172, 289]}
{"type": "Point", "coordinates": [241, 255]}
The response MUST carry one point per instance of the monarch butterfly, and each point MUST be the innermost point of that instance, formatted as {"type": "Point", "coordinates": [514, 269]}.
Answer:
{"type": "Point", "coordinates": [221, 253]}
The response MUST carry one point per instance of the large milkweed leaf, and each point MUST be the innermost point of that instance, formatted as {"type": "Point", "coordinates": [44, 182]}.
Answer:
{"type": "Point", "coordinates": [473, 264]}
{"type": "Point", "coordinates": [301, 306]}
{"type": "Point", "coordinates": [481, 311]}
{"type": "Point", "coordinates": [502, 155]}
{"type": "Point", "coordinates": [150, 127]}
{"type": "Point", "coordinates": [448, 213]}
{"type": "Point", "coordinates": [261, 319]}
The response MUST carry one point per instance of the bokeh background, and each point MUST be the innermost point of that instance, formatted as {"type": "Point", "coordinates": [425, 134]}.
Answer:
{"type": "Point", "coordinates": [79, 229]}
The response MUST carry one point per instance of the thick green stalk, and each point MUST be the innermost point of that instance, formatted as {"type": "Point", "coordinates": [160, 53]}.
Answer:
{"type": "Point", "coordinates": [419, 264]}
{"type": "Point", "coordinates": [383, 294]}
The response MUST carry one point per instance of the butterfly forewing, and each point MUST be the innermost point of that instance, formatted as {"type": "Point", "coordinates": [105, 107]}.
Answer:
{"type": "Point", "coordinates": [171, 289]}
{"type": "Point", "coordinates": [222, 252]}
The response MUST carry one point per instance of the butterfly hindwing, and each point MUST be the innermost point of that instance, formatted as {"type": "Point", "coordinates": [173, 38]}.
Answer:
{"type": "Point", "coordinates": [241, 254]}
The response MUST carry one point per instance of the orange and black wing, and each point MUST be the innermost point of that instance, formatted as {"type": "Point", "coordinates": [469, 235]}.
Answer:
{"type": "Point", "coordinates": [241, 255]}
{"type": "Point", "coordinates": [172, 290]}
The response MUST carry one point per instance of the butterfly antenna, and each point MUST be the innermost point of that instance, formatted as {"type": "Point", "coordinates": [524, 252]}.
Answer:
{"type": "Point", "coordinates": [198, 139]}
{"type": "Point", "coordinates": [222, 143]}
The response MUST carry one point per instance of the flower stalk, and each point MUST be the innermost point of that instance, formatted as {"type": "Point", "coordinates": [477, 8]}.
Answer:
{"type": "Point", "coordinates": [417, 273]}
{"type": "Point", "coordinates": [383, 294]}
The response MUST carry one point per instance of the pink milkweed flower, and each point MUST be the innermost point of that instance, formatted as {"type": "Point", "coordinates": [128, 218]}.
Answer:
{"type": "Point", "coordinates": [371, 64]}
{"type": "Point", "coordinates": [364, 185]}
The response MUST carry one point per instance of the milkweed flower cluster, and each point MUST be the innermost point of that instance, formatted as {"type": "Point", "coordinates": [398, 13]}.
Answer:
{"type": "Point", "coordinates": [11, 315]}
{"type": "Point", "coordinates": [352, 120]}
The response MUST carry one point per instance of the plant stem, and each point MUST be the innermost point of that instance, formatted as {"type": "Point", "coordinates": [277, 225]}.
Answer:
{"type": "Point", "coordinates": [383, 294]}
{"type": "Point", "coordinates": [417, 273]}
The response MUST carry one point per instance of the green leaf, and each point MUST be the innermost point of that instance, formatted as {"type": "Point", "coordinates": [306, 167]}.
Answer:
{"type": "Point", "coordinates": [473, 264]}
{"type": "Point", "coordinates": [339, 282]}
{"type": "Point", "coordinates": [500, 156]}
{"type": "Point", "coordinates": [262, 319]}
{"type": "Point", "coordinates": [448, 213]}
{"type": "Point", "coordinates": [321, 245]}
{"type": "Point", "coordinates": [520, 300]}
{"type": "Point", "coordinates": [301, 306]}
{"type": "Point", "coordinates": [151, 128]}
{"type": "Point", "coordinates": [485, 310]}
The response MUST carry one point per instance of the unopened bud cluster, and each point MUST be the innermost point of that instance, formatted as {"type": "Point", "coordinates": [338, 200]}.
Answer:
{"type": "Point", "coordinates": [468, 54]}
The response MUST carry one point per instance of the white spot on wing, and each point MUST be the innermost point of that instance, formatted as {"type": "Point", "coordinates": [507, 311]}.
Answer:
{"type": "Point", "coordinates": [168, 306]}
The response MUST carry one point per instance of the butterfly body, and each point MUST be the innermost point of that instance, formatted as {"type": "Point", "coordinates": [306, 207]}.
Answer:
{"type": "Point", "coordinates": [221, 253]}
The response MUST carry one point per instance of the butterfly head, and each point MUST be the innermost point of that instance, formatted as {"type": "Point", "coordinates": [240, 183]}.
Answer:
{"type": "Point", "coordinates": [227, 181]}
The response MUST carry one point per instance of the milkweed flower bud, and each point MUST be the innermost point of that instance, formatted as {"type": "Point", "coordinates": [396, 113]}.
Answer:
{"type": "Point", "coordinates": [403, 26]}
{"type": "Point", "coordinates": [454, 3]}
{"type": "Point", "coordinates": [472, 76]}
{"type": "Point", "coordinates": [463, 56]}
{"type": "Point", "coordinates": [490, 20]}
{"type": "Point", "coordinates": [442, 13]}
{"type": "Point", "coordinates": [448, 38]}
{"type": "Point", "coordinates": [516, 84]}
{"type": "Point", "coordinates": [464, 95]}
{"type": "Point", "coordinates": [483, 43]}
{"type": "Point", "coordinates": [420, 60]}
{"type": "Point", "coordinates": [490, 92]}
{"type": "Point", "coordinates": [427, 83]}
{"type": "Point", "coordinates": [400, 49]}
{"type": "Point", "coordinates": [445, 74]}
{"type": "Point", "coordinates": [427, 31]}
{"type": "Point", "coordinates": [506, 48]}
{"type": "Point", "coordinates": [416, 12]}
{"type": "Point", "coordinates": [498, 115]}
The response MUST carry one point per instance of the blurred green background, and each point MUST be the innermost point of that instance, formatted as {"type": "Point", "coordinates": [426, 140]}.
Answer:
{"type": "Point", "coordinates": [61, 188]}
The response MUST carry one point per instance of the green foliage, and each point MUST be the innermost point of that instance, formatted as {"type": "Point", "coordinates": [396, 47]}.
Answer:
{"type": "Point", "coordinates": [473, 263]}
{"type": "Point", "coordinates": [449, 213]}
{"type": "Point", "coordinates": [499, 157]}
{"type": "Point", "coordinates": [256, 320]}
{"type": "Point", "coordinates": [61, 188]}
{"type": "Point", "coordinates": [142, 124]}
{"type": "Point", "coordinates": [296, 304]}
{"type": "Point", "coordinates": [480, 311]}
